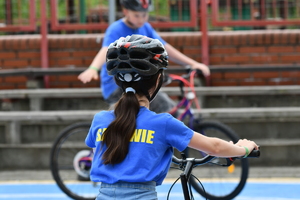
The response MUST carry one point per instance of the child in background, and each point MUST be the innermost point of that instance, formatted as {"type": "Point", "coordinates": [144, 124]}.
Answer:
{"type": "Point", "coordinates": [133, 146]}
{"type": "Point", "coordinates": [135, 21]}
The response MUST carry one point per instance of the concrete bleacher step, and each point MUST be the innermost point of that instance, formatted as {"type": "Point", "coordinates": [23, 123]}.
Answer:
{"type": "Point", "coordinates": [274, 152]}
{"type": "Point", "coordinates": [27, 136]}
{"type": "Point", "coordinates": [13, 120]}
{"type": "Point", "coordinates": [210, 113]}
{"type": "Point", "coordinates": [36, 97]}
{"type": "Point", "coordinates": [96, 92]}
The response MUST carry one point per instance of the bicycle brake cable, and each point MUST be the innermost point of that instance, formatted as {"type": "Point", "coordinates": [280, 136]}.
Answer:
{"type": "Point", "coordinates": [201, 186]}
{"type": "Point", "coordinates": [172, 187]}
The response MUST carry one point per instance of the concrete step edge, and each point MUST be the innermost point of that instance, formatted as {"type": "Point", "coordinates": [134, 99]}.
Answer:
{"type": "Point", "coordinates": [261, 142]}
{"type": "Point", "coordinates": [269, 112]}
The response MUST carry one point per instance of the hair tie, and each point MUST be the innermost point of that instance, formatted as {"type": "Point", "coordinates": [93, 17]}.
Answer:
{"type": "Point", "coordinates": [130, 89]}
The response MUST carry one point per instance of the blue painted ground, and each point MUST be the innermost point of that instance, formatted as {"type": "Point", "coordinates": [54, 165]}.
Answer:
{"type": "Point", "coordinates": [252, 191]}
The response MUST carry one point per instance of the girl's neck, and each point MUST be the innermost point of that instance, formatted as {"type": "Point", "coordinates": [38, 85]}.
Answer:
{"type": "Point", "coordinates": [143, 101]}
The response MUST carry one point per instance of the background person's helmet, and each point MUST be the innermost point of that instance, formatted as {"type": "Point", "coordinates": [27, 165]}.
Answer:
{"type": "Point", "coordinates": [136, 5]}
{"type": "Point", "coordinates": [136, 54]}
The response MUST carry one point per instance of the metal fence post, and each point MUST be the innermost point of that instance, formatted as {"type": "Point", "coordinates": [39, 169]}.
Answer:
{"type": "Point", "coordinates": [112, 12]}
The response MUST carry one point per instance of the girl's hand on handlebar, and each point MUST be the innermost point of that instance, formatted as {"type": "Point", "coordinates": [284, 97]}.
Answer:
{"type": "Point", "coordinates": [88, 75]}
{"type": "Point", "coordinates": [247, 143]}
{"type": "Point", "coordinates": [200, 66]}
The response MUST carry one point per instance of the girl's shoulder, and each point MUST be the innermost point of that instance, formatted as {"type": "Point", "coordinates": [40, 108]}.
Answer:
{"type": "Point", "coordinates": [105, 113]}
{"type": "Point", "coordinates": [148, 114]}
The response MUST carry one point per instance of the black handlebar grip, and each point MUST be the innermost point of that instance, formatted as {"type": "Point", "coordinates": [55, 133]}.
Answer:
{"type": "Point", "coordinates": [254, 154]}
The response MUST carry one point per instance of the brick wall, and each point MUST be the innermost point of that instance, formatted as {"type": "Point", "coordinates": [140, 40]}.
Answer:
{"type": "Point", "coordinates": [255, 48]}
{"type": "Point", "coordinates": [239, 48]}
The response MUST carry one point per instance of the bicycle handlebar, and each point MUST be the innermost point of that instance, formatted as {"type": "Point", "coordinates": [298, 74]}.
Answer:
{"type": "Point", "coordinates": [208, 158]}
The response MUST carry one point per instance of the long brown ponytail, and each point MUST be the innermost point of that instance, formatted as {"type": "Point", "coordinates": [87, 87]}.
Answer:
{"type": "Point", "coordinates": [120, 131]}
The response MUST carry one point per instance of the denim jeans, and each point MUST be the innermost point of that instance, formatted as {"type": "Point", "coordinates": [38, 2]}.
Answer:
{"type": "Point", "coordinates": [162, 102]}
{"type": "Point", "coordinates": [127, 191]}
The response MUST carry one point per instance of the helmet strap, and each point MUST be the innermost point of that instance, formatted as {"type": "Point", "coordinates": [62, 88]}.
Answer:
{"type": "Point", "coordinates": [144, 91]}
{"type": "Point", "coordinates": [157, 88]}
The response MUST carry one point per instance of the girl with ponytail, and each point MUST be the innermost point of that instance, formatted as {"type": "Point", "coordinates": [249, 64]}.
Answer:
{"type": "Point", "coordinates": [133, 146]}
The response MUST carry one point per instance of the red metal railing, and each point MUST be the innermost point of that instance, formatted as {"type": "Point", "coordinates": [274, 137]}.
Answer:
{"type": "Point", "coordinates": [261, 13]}
{"type": "Point", "coordinates": [221, 13]}
{"type": "Point", "coordinates": [67, 25]}
{"type": "Point", "coordinates": [44, 40]}
{"type": "Point", "coordinates": [192, 22]}
{"type": "Point", "coordinates": [9, 24]}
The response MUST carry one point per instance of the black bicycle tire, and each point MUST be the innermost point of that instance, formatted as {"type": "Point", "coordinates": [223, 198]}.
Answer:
{"type": "Point", "coordinates": [244, 163]}
{"type": "Point", "coordinates": [53, 161]}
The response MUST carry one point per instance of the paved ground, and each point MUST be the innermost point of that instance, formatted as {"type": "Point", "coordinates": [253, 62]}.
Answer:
{"type": "Point", "coordinates": [264, 183]}
{"type": "Point", "coordinates": [255, 172]}
{"type": "Point", "coordinates": [258, 190]}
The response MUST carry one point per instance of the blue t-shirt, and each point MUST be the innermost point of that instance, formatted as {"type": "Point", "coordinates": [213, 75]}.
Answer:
{"type": "Point", "coordinates": [114, 32]}
{"type": "Point", "coordinates": [150, 150]}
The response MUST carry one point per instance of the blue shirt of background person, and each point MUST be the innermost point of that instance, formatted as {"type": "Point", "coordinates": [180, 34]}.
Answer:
{"type": "Point", "coordinates": [135, 21]}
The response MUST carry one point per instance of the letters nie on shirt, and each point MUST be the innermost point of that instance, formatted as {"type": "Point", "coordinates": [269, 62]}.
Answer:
{"type": "Point", "coordinates": [139, 135]}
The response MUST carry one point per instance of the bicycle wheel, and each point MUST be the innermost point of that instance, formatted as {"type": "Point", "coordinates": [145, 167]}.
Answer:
{"type": "Point", "coordinates": [70, 163]}
{"type": "Point", "coordinates": [220, 183]}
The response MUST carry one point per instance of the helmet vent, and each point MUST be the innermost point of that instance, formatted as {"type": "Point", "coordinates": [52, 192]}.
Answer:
{"type": "Point", "coordinates": [157, 50]}
{"type": "Point", "coordinates": [139, 65]}
{"type": "Point", "coordinates": [153, 61]}
{"type": "Point", "coordinates": [138, 55]}
{"type": "Point", "coordinates": [123, 51]}
{"type": "Point", "coordinates": [112, 55]}
{"type": "Point", "coordinates": [124, 65]}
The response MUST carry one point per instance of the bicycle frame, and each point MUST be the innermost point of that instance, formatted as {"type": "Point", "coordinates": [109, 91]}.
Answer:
{"type": "Point", "coordinates": [188, 163]}
{"type": "Point", "coordinates": [184, 178]}
{"type": "Point", "coordinates": [186, 102]}
{"type": "Point", "coordinates": [188, 97]}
